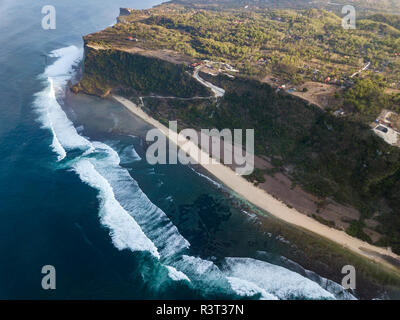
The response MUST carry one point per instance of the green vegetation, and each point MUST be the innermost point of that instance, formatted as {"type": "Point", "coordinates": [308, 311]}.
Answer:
{"type": "Point", "coordinates": [391, 20]}
{"type": "Point", "coordinates": [367, 97]}
{"type": "Point", "coordinates": [363, 6]}
{"type": "Point", "coordinates": [356, 229]}
{"type": "Point", "coordinates": [295, 45]}
{"type": "Point", "coordinates": [257, 176]}
{"type": "Point", "coordinates": [108, 69]}
{"type": "Point", "coordinates": [365, 100]}
{"type": "Point", "coordinates": [324, 221]}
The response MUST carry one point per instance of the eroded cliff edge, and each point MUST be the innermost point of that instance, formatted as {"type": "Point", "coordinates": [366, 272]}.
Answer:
{"type": "Point", "coordinates": [139, 72]}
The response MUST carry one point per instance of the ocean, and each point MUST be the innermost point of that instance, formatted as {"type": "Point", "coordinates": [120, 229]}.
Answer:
{"type": "Point", "coordinates": [77, 193]}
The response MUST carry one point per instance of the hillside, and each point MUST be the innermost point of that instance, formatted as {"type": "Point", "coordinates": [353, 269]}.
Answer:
{"type": "Point", "coordinates": [362, 6]}
{"type": "Point", "coordinates": [295, 45]}
{"type": "Point", "coordinates": [136, 72]}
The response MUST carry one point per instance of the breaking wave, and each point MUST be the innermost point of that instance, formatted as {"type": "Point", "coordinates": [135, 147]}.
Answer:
{"type": "Point", "coordinates": [275, 280]}
{"type": "Point", "coordinates": [152, 219]}
{"type": "Point", "coordinates": [50, 112]}
{"type": "Point", "coordinates": [124, 230]}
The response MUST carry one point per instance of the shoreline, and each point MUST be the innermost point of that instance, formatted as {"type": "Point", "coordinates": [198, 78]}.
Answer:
{"type": "Point", "coordinates": [267, 202]}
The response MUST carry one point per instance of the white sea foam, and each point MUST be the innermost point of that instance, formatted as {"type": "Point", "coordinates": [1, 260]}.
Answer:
{"type": "Point", "coordinates": [252, 216]}
{"type": "Point", "coordinates": [218, 185]}
{"type": "Point", "coordinates": [154, 222]}
{"type": "Point", "coordinates": [62, 69]}
{"type": "Point", "coordinates": [205, 275]}
{"type": "Point", "coordinates": [97, 163]}
{"type": "Point", "coordinates": [65, 136]}
{"type": "Point", "coordinates": [248, 277]}
{"type": "Point", "coordinates": [200, 266]}
{"type": "Point", "coordinates": [124, 231]}
{"type": "Point", "coordinates": [177, 275]}
{"type": "Point", "coordinates": [336, 289]}
{"type": "Point", "coordinates": [51, 115]}
{"type": "Point", "coordinates": [275, 280]}
{"type": "Point", "coordinates": [245, 288]}
{"type": "Point", "coordinates": [129, 155]}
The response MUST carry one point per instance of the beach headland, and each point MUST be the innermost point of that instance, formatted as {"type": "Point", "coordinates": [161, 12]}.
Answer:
{"type": "Point", "coordinates": [306, 178]}
{"type": "Point", "coordinates": [268, 203]}
{"type": "Point", "coordinates": [325, 163]}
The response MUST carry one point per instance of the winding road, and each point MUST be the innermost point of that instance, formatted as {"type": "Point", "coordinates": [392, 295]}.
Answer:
{"type": "Point", "coordinates": [361, 70]}
{"type": "Point", "coordinates": [218, 92]}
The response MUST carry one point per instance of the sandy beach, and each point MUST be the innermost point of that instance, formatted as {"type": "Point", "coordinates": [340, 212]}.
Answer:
{"type": "Point", "coordinates": [265, 201]}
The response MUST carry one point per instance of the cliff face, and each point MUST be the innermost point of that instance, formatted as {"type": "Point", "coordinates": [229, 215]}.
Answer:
{"type": "Point", "coordinates": [107, 69]}
{"type": "Point", "coordinates": [125, 11]}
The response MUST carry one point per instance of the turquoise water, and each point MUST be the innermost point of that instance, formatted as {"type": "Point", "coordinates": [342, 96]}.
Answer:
{"type": "Point", "coordinates": [77, 193]}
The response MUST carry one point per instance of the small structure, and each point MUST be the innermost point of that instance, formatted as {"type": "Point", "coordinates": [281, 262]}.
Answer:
{"type": "Point", "coordinates": [387, 134]}
{"type": "Point", "coordinates": [132, 39]}
{"type": "Point", "coordinates": [339, 112]}
{"type": "Point", "coordinates": [382, 128]}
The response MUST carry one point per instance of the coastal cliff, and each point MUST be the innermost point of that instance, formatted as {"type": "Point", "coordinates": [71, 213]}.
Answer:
{"type": "Point", "coordinates": [110, 68]}
{"type": "Point", "coordinates": [331, 168]}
